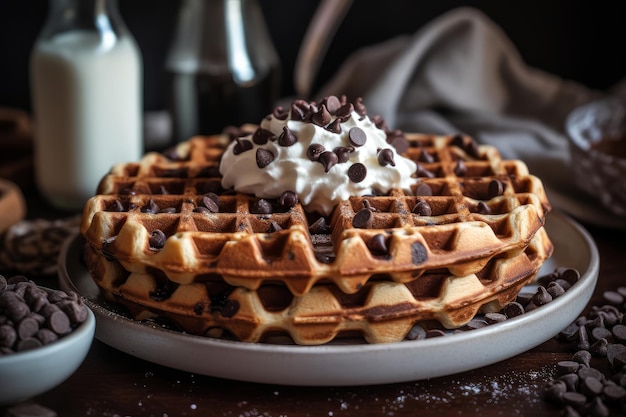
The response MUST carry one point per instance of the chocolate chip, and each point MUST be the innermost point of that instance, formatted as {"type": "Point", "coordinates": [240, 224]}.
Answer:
{"type": "Point", "coordinates": [598, 333]}
{"type": "Point", "coordinates": [328, 159]}
{"type": "Point", "coordinates": [332, 104]}
{"type": "Point", "coordinates": [597, 408]}
{"type": "Point", "coordinates": [583, 339]}
{"type": "Point", "coordinates": [27, 327]}
{"type": "Point", "coordinates": [385, 157]}
{"type": "Point", "coordinates": [27, 344]}
{"type": "Point", "coordinates": [470, 146]}
{"type": "Point", "coordinates": [583, 357]}
{"type": "Point", "coordinates": [616, 354]}
{"type": "Point", "coordinates": [363, 219]}
{"type": "Point", "coordinates": [74, 309]}
{"type": "Point", "coordinates": [458, 141]}
{"type": "Point", "coordinates": [460, 169]}
{"type": "Point", "coordinates": [587, 372]}
{"type": "Point", "coordinates": [379, 122]}
{"type": "Point", "coordinates": [287, 137]}
{"type": "Point", "coordinates": [426, 157]}
{"type": "Point", "coordinates": [513, 309]}
{"type": "Point", "coordinates": [211, 201]}
{"type": "Point", "coordinates": [150, 208]}
{"type": "Point", "coordinates": [377, 244]}
{"type": "Point", "coordinates": [493, 318]}
{"type": "Point", "coordinates": [357, 136]}
{"type": "Point", "coordinates": [613, 297]}
{"type": "Point", "coordinates": [59, 322]}
{"type": "Point", "coordinates": [46, 336]}
{"type": "Point", "coordinates": [334, 126]}
{"type": "Point", "coordinates": [475, 323]}
{"type": "Point", "coordinates": [423, 189]}
{"type": "Point", "coordinates": [422, 208]}
{"type": "Point", "coordinates": [288, 199]}
{"type": "Point", "coordinates": [398, 141]}
{"type": "Point", "coordinates": [314, 151]}
{"type": "Point", "coordinates": [555, 390]}
{"type": "Point", "coordinates": [280, 113]}
{"type": "Point", "coordinates": [319, 227]}
{"type": "Point", "coordinates": [8, 335]}
{"type": "Point", "coordinates": [357, 172]}
{"type": "Point", "coordinates": [483, 208]}
{"type": "Point", "coordinates": [570, 275]}
{"type": "Point", "coordinates": [157, 239]}
{"type": "Point", "coordinates": [241, 146]}
{"type": "Point", "coordinates": [116, 207]}
{"type": "Point", "coordinates": [359, 107]}
{"type": "Point", "coordinates": [344, 112]}
{"type": "Point", "coordinates": [495, 188]}
{"type": "Point", "coordinates": [274, 227]}
{"type": "Point", "coordinates": [571, 380]}
{"type": "Point", "coordinates": [321, 117]}
{"type": "Point", "coordinates": [417, 332]}
{"type": "Point", "coordinates": [614, 393]}
{"type": "Point", "coordinates": [435, 333]}
{"type": "Point", "coordinates": [419, 255]}
{"type": "Point", "coordinates": [14, 308]}
{"type": "Point", "coordinates": [261, 206]}
{"type": "Point", "coordinates": [567, 367]}
{"type": "Point", "coordinates": [261, 136]}
{"type": "Point", "coordinates": [420, 171]}
{"type": "Point", "coordinates": [555, 289]}
{"type": "Point", "coordinates": [541, 297]}
{"type": "Point", "coordinates": [300, 110]}
{"type": "Point", "coordinates": [575, 399]}
{"type": "Point", "coordinates": [264, 157]}
{"type": "Point", "coordinates": [343, 153]}
{"type": "Point", "coordinates": [619, 332]}
{"type": "Point", "coordinates": [35, 297]}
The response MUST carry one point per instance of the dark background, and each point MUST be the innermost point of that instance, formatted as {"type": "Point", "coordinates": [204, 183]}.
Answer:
{"type": "Point", "coordinates": [582, 42]}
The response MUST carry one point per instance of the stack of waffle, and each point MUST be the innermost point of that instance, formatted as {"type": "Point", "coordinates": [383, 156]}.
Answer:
{"type": "Point", "coordinates": [165, 240]}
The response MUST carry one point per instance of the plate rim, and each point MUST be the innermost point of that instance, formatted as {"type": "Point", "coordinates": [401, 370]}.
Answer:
{"type": "Point", "coordinates": [335, 353]}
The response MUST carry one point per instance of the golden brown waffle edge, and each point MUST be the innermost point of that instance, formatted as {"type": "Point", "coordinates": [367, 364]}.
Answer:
{"type": "Point", "coordinates": [469, 225]}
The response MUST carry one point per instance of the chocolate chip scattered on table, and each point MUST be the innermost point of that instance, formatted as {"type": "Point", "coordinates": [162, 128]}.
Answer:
{"type": "Point", "coordinates": [593, 381]}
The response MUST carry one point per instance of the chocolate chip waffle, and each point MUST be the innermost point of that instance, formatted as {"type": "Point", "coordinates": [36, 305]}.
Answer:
{"type": "Point", "coordinates": [381, 311]}
{"type": "Point", "coordinates": [171, 214]}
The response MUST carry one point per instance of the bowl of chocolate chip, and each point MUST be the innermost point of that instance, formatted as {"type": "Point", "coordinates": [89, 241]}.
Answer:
{"type": "Point", "coordinates": [45, 335]}
{"type": "Point", "coordinates": [597, 142]}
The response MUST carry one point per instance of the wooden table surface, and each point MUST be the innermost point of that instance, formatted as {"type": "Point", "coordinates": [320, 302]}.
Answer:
{"type": "Point", "coordinates": [112, 383]}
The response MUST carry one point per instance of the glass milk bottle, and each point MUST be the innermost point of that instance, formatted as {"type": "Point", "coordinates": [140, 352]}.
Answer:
{"type": "Point", "coordinates": [222, 65]}
{"type": "Point", "coordinates": [86, 85]}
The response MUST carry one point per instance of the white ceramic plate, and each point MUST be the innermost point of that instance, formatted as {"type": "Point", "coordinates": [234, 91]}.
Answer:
{"type": "Point", "coordinates": [348, 364]}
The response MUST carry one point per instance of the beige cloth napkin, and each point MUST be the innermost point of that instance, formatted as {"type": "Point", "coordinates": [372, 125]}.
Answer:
{"type": "Point", "coordinates": [460, 73]}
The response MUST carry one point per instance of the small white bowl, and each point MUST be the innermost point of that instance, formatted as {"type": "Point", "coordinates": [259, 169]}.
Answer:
{"type": "Point", "coordinates": [600, 174]}
{"type": "Point", "coordinates": [26, 374]}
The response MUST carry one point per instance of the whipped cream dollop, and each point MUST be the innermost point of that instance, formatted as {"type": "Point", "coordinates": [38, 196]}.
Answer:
{"type": "Point", "coordinates": [324, 152]}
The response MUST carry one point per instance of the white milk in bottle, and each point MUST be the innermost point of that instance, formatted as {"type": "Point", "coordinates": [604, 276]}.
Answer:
{"type": "Point", "coordinates": [87, 100]}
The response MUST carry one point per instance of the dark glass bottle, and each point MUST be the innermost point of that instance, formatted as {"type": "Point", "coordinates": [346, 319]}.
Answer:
{"type": "Point", "coordinates": [223, 67]}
